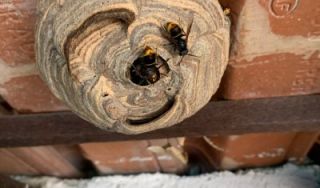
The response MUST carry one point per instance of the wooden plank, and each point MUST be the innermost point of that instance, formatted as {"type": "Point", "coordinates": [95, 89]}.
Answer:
{"type": "Point", "coordinates": [300, 113]}
{"type": "Point", "coordinates": [7, 182]}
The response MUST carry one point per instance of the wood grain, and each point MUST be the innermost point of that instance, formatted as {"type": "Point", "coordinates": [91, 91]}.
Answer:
{"type": "Point", "coordinates": [84, 57]}
{"type": "Point", "coordinates": [34, 161]}
{"type": "Point", "coordinates": [7, 181]}
{"type": "Point", "coordinates": [217, 118]}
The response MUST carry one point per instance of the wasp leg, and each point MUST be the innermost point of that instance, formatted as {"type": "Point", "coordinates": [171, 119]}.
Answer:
{"type": "Point", "coordinates": [149, 82]}
{"type": "Point", "coordinates": [141, 82]}
{"type": "Point", "coordinates": [164, 74]}
{"type": "Point", "coordinates": [135, 70]}
{"type": "Point", "coordinates": [192, 55]}
{"type": "Point", "coordinates": [179, 61]}
{"type": "Point", "coordinates": [162, 64]}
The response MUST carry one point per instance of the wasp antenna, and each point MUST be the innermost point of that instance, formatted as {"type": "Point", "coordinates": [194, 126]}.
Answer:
{"type": "Point", "coordinates": [192, 55]}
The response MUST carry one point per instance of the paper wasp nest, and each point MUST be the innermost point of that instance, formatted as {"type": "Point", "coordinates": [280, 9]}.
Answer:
{"type": "Point", "coordinates": [85, 50]}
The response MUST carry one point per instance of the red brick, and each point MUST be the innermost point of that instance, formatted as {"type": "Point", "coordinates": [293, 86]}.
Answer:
{"type": "Point", "coordinates": [17, 25]}
{"type": "Point", "coordinates": [30, 94]}
{"type": "Point", "coordinates": [251, 150]}
{"type": "Point", "coordinates": [20, 85]}
{"type": "Point", "coordinates": [293, 17]}
{"type": "Point", "coordinates": [131, 157]}
{"type": "Point", "coordinates": [275, 49]}
{"type": "Point", "coordinates": [272, 75]}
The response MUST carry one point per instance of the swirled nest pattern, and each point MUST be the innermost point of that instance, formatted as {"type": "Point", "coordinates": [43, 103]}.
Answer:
{"type": "Point", "coordinates": [85, 49]}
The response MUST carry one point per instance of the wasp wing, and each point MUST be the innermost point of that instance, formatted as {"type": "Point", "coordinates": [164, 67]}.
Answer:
{"type": "Point", "coordinates": [189, 29]}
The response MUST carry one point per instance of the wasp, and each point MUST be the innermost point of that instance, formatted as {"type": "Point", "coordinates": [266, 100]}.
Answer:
{"type": "Point", "coordinates": [148, 57]}
{"type": "Point", "coordinates": [145, 69]}
{"type": "Point", "coordinates": [144, 75]}
{"type": "Point", "coordinates": [178, 37]}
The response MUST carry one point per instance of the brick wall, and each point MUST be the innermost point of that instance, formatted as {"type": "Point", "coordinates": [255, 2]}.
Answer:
{"type": "Point", "coordinates": [275, 49]}
{"type": "Point", "coordinates": [275, 52]}
{"type": "Point", "coordinates": [251, 150]}
{"type": "Point", "coordinates": [20, 84]}
{"type": "Point", "coordinates": [163, 155]}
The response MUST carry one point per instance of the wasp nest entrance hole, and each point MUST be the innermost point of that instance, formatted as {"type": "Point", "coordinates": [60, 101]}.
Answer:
{"type": "Point", "coordinates": [148, 69]}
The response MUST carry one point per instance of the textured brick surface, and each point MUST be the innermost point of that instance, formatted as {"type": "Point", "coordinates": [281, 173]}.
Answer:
{"type": "Point", "coordinates": [17, 22]}
{"type": "Point", "coordinates": [133, 157]}
{"type": "Point", "coordinates": [252, 150]}
{"type": "Point", "coordinates": [275, 52]}
{"type": "Point", "coordinates": [272, 75]}
{"type": "Point", "coordinates": [20, 84]}
{"type": "Point", "coordinates": [293, 17]}
{"type": "Point", "coordinates": [275, 49]}
{"type": "Point", "coordinates": [30, 94]}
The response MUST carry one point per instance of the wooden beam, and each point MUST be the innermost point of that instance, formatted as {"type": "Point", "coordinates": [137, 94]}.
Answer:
{"type": "Point", "coordinates": [301, 113]}
{"type": "Point", "coordinates": [7, 182]}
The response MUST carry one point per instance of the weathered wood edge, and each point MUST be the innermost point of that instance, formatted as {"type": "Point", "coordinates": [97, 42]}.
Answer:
{"type": "Point", "coordinates": [299, 113]}
{"type": "Point", "coordinates": [8, 182]}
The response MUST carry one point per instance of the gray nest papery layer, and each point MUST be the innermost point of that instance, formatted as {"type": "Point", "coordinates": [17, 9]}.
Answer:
{"type": "Point", "coordinates": [85, 49]}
